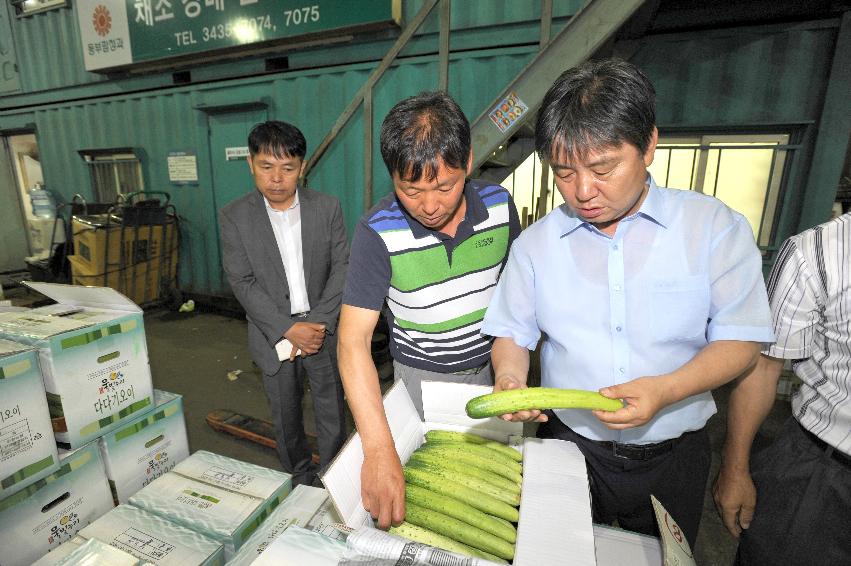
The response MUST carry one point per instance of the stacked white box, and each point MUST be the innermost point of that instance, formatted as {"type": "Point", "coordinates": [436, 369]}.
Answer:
{"type": "Point", "coordinates": [27, 446]}
{"type": "Point", "coordinates": [146, 447]}
{"type": "Point", "coordinates": [152, 538]}
{"type": "Point", "coordinates": [42, 516]}
{"type": "Point", "coordinates": [94, 359]}
{"type": "Point", "coordinates": [220, 497]}
{"type": "Point", "coordinates": [81, 552]}
{"type": "Point", "coordinates": [297, 509]}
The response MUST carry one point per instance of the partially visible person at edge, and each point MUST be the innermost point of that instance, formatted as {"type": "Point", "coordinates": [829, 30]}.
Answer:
{"type": "Point", "coordinates": [432, 251]}
{"type": "Point", "coordinates": [285, 253]}
{"type": "Point", "coordinates": [793, 505]}
{"type": "Point", "coordinates": [646, 294]}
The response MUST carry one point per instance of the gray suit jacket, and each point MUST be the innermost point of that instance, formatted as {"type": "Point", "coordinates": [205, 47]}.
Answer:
{"type": "Point", "coordinates": [255, 269]}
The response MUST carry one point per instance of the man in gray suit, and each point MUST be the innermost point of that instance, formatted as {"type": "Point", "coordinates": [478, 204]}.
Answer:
{"type": "Point", "coordinates": [285, 255]}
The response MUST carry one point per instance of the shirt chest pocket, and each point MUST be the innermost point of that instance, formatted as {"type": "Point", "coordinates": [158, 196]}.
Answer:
{"type": "Point", "coordinates": [680, 308]}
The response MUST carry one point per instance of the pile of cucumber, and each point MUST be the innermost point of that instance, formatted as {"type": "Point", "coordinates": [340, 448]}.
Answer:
{"type": "Point", "coordinates": [462, 493]}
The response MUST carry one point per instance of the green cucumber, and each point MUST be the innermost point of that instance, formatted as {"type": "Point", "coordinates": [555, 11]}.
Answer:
{"type": "Point", "coordinates": [482, 502]}
{"type": "Point", "coordinates": [513, 400]}
{"type": "Point", "coordinates": [451, 436]}
{"type": "Point", "coordinates": [490, 477]}
{"type": "Point", "coordinates": [461, 511]}
{"type": "Point", "coordinates": [464, 454]}
{"type": "Point", "coordinates": [465, 479]}
{"type": "Point", "coordinates": [481, 451]}
{"type": "Point", "coordinates": [425, 536]}
{"type": "Point", "coordinates": [458, 530]}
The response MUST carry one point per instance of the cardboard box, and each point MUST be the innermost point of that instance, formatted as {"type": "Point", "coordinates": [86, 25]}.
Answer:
{"type": "Point", "coordinates": [27, 447]}
{"type": "Point", "coordinates": [616, 547]}
{"type": "Point", "coordinates": [94, 358]}
{"type": "Point", "coordinates": [154, 539]}
{"type": "Point", "coordinates": [139, 282]}
{"type": "Point", "coordinates": [555, 508]}
{"type": "Point", "coordinates": [146, 447]}
{"type": "Point", "coordinates": [81, 552]}
{"type": "Point", "coordinates": [103, 245]}
{"type": "Point", "coordinates": [220, 497]}
{"type": "Point", "coordinates": [52, 510]}
{"type": "Point", "coordinates": [298, 509]}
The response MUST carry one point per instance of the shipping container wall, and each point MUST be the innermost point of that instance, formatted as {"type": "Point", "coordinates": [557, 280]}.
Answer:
{"type": "Point", "coordinates": [738, 77]}
{"type": "Point", "coordinates": [155, 124]}
{"type": "Point", "coordinates": [50, 55]}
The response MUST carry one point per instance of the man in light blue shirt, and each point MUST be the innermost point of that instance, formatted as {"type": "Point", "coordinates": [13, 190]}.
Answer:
{"type": "Point", "coordinates": [650, 295]}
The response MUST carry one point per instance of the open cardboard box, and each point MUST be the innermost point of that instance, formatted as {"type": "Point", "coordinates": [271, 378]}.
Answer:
{"type": "Point", "coordinates": [555, 511]}
{"type": "Point", "coordinates": [93, 357]}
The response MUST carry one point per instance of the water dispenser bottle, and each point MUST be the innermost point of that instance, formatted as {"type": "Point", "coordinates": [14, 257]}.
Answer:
{"type": "Point", "coordinates": [43, 203]}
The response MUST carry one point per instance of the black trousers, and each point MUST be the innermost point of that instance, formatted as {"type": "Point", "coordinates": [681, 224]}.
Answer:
{"type": "Point", "coordinates": [803, 504]}
{"type": "Point", "coordinates": [285, 391]}
{"type": "Point", "coordinates": [621, 487]}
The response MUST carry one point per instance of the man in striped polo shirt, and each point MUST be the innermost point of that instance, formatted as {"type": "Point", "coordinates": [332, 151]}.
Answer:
{"type": "Point", "coordinates": [797, 507]}
{"type": "Point", "coordinates": [433, 251]}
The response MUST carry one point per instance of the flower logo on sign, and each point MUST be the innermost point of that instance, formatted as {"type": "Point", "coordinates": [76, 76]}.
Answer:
{"type": "Point", "coordinates": [102, 20]}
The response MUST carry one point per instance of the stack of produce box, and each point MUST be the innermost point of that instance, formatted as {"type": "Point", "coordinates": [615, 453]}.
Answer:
{"type": "Point", "coordinates": [219, 497]}
{"type": "Point", "coordinates": [70, 373]}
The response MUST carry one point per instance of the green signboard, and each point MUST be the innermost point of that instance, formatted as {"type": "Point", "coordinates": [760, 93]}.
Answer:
{"type": "Point", "coordinates": [119, 33]}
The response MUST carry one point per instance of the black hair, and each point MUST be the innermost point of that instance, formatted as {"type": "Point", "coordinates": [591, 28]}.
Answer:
{"type": "Point", "coordinates": [595, 105]}
{"type": "Point", "coordinates": [277, 138]}
{"type": "Point", "coordinates": [421, 130]}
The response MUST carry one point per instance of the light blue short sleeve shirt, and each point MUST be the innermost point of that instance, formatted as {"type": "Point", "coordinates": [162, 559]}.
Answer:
{"type": "Point", "coordinates": [681, 272]}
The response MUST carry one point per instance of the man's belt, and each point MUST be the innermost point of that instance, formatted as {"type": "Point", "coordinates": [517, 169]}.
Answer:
{"type": "Point", "coordinates": [470, 371]}
{"type": "Point", "coordinates": [829, 450]}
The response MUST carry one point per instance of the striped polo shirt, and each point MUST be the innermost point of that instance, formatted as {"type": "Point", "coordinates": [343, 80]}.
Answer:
{"type": "Point", "coordinates": [436, 287]}
{"type": "Point", "coordinates": [810, 293]}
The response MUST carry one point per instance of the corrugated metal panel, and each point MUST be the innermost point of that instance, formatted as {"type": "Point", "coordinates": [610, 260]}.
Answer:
{"type": "Point", "coordinates": [161, 122]}
{"type": "Point", "coordinates": [49, 51]}
{"type": "Point", "coordinates": [50, 54]}
{"type": "Point", "coordinates": [482, 13]}
{"type": "Point", "coordinates": [739, 77]}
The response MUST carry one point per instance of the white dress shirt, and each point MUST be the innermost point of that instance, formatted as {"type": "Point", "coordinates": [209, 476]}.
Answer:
{"type": "Point", "coordinates": [286, 224]}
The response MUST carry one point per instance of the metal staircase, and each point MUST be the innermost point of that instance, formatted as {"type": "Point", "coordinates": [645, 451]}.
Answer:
{"type": "Point", "coordinates": [497, 151]}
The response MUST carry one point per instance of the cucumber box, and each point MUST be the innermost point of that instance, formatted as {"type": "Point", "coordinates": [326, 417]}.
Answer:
{"type": "Point", "coordinates": [54, 509]}
{"type": "Point", "coordinates": [143, 449]}
{"type": "Point", "coordinates": [555, 503]}
{"type": "Point", "coordinates": [93, 357]}
{"type": "Point", "coordinates": [27, 446]}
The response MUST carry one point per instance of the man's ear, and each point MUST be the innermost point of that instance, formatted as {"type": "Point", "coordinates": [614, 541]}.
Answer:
{"type": "Point", "coordinates": [651, 147]}
{"type": "Point", "coordinates": [470, 163]}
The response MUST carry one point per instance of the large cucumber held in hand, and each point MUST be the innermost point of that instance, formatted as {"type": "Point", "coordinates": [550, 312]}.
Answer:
{"type": "Point", "coordinates": [513, 400]}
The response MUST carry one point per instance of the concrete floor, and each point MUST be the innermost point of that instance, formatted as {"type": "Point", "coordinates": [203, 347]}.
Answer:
{"type": "Point", "coordinates": [192, 353]}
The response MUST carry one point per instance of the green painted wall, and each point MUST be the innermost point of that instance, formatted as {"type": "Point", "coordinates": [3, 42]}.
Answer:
{"type": "Point", "coordinates": [770, 76]}
{"type": "Point", "coordinates": [163, 121]}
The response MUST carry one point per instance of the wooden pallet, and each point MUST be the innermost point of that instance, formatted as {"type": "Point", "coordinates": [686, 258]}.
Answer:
{"type": "Point", "coordinates": [246, 427]}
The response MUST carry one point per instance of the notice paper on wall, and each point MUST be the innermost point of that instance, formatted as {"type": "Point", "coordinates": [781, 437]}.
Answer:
{"type": "Point", "coordinates": [182, 167]}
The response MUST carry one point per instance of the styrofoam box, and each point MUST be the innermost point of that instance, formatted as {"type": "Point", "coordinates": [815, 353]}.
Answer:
{"type": "Point", "coordinates": [298, 508]}
{"type": "Point", "coordinates": [146, 447]}
{"type": "Point", "coordinates": [94, 358]}
{"type": "Point", "coordinates": [52, 510]}
{"type": "Point", "coordinates": [27, 447]}
{"type": "Point", "coordinates": [222, 498]}
{"type": "Point", "coordinates": [555, 510]}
